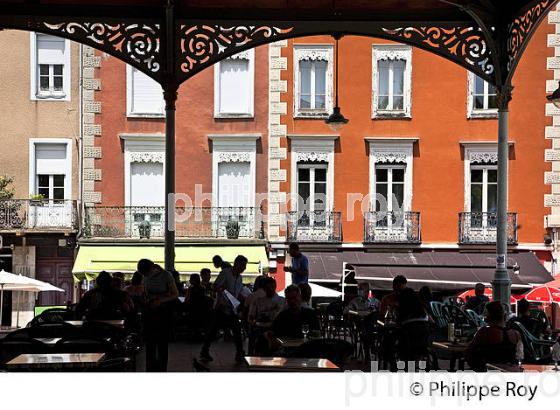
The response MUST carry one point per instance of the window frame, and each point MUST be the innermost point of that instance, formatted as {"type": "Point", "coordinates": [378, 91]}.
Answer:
{"type": "Point", "coordinates": [232, 148]}
{"type": "Point", "coordinates": [478, 113]}
{"type": "Point", "coordinates": [35, 94]}
{"type": "Point", "coordinates": [391, 52]}
{"type": "Point", "coordinates": [384, 152]}
{"type": "Point", "coordinates": [248, 55]}
{"type": "Point", "coordinates": [130, 113]}
{"type": "Point", "coordinates": [313, 52]}
{"type": "Point", "coordinates": [484, 168]}
{"type": "Point", "coordinates": [33, 176]}
{"type": "Point", "coordinates": [312, 167]}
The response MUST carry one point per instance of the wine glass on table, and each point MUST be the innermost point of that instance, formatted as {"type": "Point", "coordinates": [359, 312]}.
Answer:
{"type": "Point", "coordinates": [519, 354]}
{"type": "Point", "coordinates": [305, 330]}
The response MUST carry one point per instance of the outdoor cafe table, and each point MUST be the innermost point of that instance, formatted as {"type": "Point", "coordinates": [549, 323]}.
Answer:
{"type": "Point", "coordinates": [452, 351]}
{"type": "Point", "coordinates": [80, 323]}
{"type": "Point", "coordinates": [55, 361]}
{"type": "Point", "coordinates": [50, 341]}
{"type": "Point", "coordinates": [513, 368]}
{"type": "Point", "coordinates": [290, 364]}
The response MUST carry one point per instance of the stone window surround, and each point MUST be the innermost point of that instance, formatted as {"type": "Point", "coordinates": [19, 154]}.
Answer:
{"type": "Point", "coordinates": [33, 71]}
{"type": "Point", "coordinates": [491, 113]}
{"type": "Point", "coordinates": [234, 148]}
{"type": "Point", "coordinates": [392, 151]}
{"type": "Point", "coordinates": [141, 148]}
{"type": "Point", "coordinates": [248, 55]}
{"type": "Point", "coordinates": [321, 51]}
{"type": "Point", "coordinates": [312, 148]}
{"type": "Point", "coordinates": [392, 52]}
{"type": "Point", "coordinates": [477, 153]}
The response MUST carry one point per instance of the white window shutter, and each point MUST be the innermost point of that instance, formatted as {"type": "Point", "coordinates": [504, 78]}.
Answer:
{"type": "Point", "coordinates": [147, 94]}
{"type": "Point", "coordinates": [147, 184]}
{"type": "Point", "coordinates": [234, 184]}
{"type": "Point", "coordinates": [50, 49]}
{"type": "Point", "coordinates": [50, 159]}
{"type": "Point", "coordinates": [235, 87]}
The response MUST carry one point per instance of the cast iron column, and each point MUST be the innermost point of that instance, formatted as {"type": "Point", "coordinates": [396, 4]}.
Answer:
{"type": "Point", "coordinates": [170, 95]}
{"type": "Point", "coordinates": [501, 284]}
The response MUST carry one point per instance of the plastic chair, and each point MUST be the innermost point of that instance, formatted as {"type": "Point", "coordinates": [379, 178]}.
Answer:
{"type": "Point", "coordinates": [475, 318]}
{"type": "Point", "coordinates": [437, 311]}
{"type": "Point", "coordinates": [535, 350]}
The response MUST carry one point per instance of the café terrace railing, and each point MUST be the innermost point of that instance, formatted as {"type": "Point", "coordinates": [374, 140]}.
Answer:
{"type": "Point", "coordinates": [40, 214]}
{"type": "Point", "coordinates": [478, 228]}
{"type": "Point", "coordinates": [148, 222]}
{"type": "Point", "coordinates": [318, 226]}
{"type": "Point", "coordinates": [392, 227]}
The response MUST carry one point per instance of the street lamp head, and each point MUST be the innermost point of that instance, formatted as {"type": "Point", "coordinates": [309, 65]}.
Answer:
{"type": "Point", "coordinates": [554, 98]}
{"type": "Point", "coordinates": [336, 120]}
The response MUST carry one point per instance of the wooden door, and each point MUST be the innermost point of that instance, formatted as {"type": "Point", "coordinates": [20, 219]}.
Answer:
{"type": "Point", "coordinates": [57, 272]}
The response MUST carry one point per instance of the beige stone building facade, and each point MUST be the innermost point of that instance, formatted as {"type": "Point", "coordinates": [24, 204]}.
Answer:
{"type": "Point", "coordinates": [40, 129]}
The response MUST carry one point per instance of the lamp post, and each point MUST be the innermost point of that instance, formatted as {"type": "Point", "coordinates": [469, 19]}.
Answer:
{"type": "Point", "coordinates": [336, 120]}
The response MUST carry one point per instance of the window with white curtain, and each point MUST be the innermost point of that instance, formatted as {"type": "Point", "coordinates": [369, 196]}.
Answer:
{"type": "Point", "coordinates": [144, 95]}
{"type": "Point", "coordinates": [482, 98]}
{"type": "Point", "coordinates": [392, 81]}
{"type": "Point", "coordinates": [50, 67]}
{"type": "Point", "coordinates": [313, 78]}
{"type": "Point", "coordinates": [234, 86]}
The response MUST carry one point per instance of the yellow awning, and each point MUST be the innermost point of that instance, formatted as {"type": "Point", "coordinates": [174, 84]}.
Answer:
{"type": "Point", "coordinates": [188, 259]}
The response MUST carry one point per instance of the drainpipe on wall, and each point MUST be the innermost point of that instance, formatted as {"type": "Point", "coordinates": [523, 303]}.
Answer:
{"type": "Point", "coordinates": [80, 143]}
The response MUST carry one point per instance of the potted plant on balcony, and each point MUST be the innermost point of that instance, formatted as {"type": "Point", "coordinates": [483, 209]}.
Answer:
{"type": "Point", "coordinates": [37, 199]}
{"type": "Point", "coordinates": [232, 228]}
{"type": "Point", "coordinates": [145, 229]}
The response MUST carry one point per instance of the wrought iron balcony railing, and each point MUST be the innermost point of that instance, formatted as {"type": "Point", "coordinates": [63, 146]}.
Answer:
{"type": "Point", "coordinates": [480, 228]}
{"type": "Point", "coordinates": [319, 226]}
{"type": "Point", "coordinates": [43, 214]}
{"type": "Point", "coordinates": [392, 227]}
{"type": "Point", "coordinates": [149, 222]}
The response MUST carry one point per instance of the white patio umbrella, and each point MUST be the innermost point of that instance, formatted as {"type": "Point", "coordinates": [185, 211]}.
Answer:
{"type": "Point", "coordinates": [317, 291]}
{"type": "Point", "coordinates": [12, 282]}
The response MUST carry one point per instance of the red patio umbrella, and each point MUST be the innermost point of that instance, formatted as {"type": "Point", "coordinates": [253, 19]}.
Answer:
{"type": "Point", "coordinates": [487, 292]}
{"type": "Point", "coordinates": [544, 294]}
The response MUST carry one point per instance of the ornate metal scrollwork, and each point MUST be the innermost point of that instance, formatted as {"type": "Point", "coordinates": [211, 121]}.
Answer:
{"type": "Point", "coordinates": [202, 45]}
{"type": "Point", "coordinates": [139, 43]}
{"type": "Point", "coordinates": [461, 44]}
{"type": "Point", "coordinates": [521, 27]}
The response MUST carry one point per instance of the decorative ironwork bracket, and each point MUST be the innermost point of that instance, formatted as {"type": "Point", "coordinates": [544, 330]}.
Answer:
{"type": "Point", "coordinates": [198, 45]}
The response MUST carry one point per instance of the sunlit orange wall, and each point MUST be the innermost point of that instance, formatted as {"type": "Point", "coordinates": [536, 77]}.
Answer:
{"type": "Point", "coordinates": [439, 120]}
{"type": "Point", "coordinates": [194, 121]}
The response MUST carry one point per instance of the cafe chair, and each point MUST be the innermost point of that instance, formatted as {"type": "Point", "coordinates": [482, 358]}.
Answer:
{"type": "Point", "coordinates": [53, 329]}
{"type": "Point", "coordinates": [439, 317]}
{"type": "Point", "coordinates": [54, 315]}
{"type": "Point", "coordinates": [23, 333]}
{"type": "Point", "coordinates": [336, 350]}
{"type": "Point", "coordinates": [536, 351]}
{"type": "Point", "coordinates": [82, 345]}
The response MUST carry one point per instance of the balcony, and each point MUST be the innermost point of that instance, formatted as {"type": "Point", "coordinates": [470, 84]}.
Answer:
{"type": "Point", "coordinates": [38, 215]}
{"type": "Point", "coordinates": [320, 226]}
{"type": "Point", "coordinates": [478, 228]}
{"type": "Point", "coordinates": [392, 227]}
{"type": "Point", "coordinates": [149, 222]}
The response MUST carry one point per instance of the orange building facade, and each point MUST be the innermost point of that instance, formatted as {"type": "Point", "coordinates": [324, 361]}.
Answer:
{"type": "Point", "coordinates": [414, 171]}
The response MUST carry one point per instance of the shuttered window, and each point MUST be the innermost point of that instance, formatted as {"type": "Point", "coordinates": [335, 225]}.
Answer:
{"type": "Point", "coordinates": [234, 86]}
{"type": "Point", "coordinates": [51, 69]}
{"type": "Point", "coordinates": [144, 96]}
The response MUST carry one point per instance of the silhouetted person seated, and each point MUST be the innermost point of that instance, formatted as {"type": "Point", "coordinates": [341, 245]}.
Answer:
{"type": "Point", "coordinates": [205, 277]}
{"type": "Point", "coordinates": [494, 342]}
{"type": "Point", "coordinates": [305, 290]}
{"type": "Point", "coordinates": [479, 300]}
{"type": "Point", "coordinates": [289, 322]}
{"type": "Point", "coordinates": [390, 302]}
{"type": "Point", "coordinates": [137, 292]}
{"type": "Point", "coordinates": [536, 327]}
{"type": "Point", "coordinates": [414, 327]}
{"type": "Point", "coordinates": [197, 304]}
{"type": "Point", "coordinates": [103, 301]}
